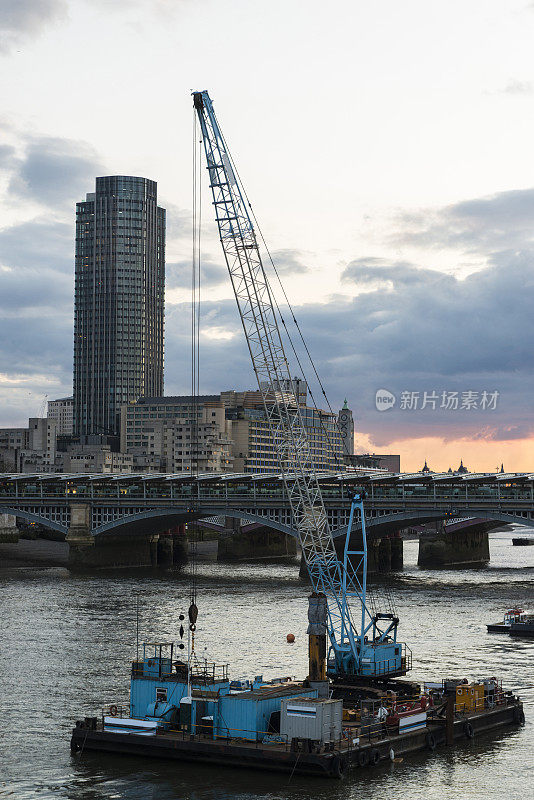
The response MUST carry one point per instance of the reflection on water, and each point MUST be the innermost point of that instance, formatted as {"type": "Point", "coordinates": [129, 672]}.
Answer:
{"type": "Point", "coordinates": [67, 640]}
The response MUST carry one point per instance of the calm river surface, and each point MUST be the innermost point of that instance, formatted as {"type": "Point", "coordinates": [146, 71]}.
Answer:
{"type": "Point", "coordinates": [66, 642]}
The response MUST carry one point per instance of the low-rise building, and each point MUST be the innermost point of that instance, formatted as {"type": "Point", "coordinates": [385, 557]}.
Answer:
{"type": "Point", "coordinates": [14, 438]}
{"type": "Point", "coordinates": [89, 459]}
{"type": "Point", "coordinates": [178, 434]}
{"type": "Point", "coordinates": [61, 411]}
{"type": "Point", "coordinates": [228, 432]}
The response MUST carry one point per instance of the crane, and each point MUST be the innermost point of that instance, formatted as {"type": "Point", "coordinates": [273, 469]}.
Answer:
{"type": "Point", "coordinates": [373, 651]}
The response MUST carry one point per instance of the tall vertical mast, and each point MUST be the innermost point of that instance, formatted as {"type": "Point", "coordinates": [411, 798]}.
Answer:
{"type": "Point", "coordinates": [262, 333]}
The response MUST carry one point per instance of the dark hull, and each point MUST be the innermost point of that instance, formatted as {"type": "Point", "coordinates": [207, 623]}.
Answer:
{"type": "Point", "coordinates": [498, 627]}
{"type": "Point", "coordinates": [281, 759]}
{"type": "Point", "coordinates": [522, 628]}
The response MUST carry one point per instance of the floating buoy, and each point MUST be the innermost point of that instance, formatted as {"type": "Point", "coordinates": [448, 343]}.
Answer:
{"type": "Point", "coordinates": [290, 638]}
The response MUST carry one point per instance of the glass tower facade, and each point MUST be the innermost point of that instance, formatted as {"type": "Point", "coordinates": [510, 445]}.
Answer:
{"type": "Point", "coordinates": [119, 298]}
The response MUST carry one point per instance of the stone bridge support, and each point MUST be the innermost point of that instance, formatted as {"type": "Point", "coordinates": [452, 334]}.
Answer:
{"type": "Point", "coordinates": [79, 538]}
{"type": "Point", "coordinates": [8, 529]}
{"type": "Point", "coordinates": [111, 550]}
{"type": "Point", "coordinates": [468, 548]}
{"type": "Point", "coordinates": [234, 544]}
{"type": "Point", "coordinates": [172, 547]}
{"type": "Point", "coordinates": [383, 555]}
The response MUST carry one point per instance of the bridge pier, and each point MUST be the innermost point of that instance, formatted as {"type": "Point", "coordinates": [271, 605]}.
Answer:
{"type": "Point", "coordinates": [109, 550]}
{"type": "Point", "coordinates": [79, 538]}
{"type": "Point", "coordinates": [8, 529]}
{"type": "Point", "coordinates": [454, 549]}
{"type": "Point", "coordinates": [165, 549]}
{"type": "Point", "coordinates": [179, 543]}
{"type": "Point", "coordinates": [397, 553]}
{"type": "Point", "coordinates": [383, 555]}
{"type": "Point", "coordinates": [264, 543]}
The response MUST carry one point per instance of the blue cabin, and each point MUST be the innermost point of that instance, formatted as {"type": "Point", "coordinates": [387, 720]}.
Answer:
{"type": "Point", "coordinates": [208, 703]}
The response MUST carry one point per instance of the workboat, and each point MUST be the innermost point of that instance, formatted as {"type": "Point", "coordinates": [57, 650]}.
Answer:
{"type": "Point", "coordinates": [523, 627]}
{"type": "Point", "coordinates": [191, 710]}
{"type": "Point", "coordinates": [512, 617]}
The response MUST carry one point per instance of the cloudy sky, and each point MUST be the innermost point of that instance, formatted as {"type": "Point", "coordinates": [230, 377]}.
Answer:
{"type": "Point", "coordinates": [387, 150]}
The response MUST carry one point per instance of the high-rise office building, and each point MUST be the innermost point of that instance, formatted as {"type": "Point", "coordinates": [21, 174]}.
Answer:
{"type": "Point", "coordinates": [118, 301]}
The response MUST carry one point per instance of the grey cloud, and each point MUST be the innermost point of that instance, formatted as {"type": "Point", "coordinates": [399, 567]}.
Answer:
{"type": "Point", "coordinates": [36, 269]}
{"type": "Point", "coordinates": [34, 290]}
{"type": "Point", "coordinates": [428, 332]}
{"type": "Point", "coordinates": [55, 172]}
{"type": "Point", "coordinates": [437, 333]}
{"type": "Point", "coordinates": [7, 156]}
{"type": "Point", "coordinates": [20, 19]}
{"type": "Point", "coordinates": [179, 222]}
{"type": "Point", "coordinates": [178, 274]}
{"type": "Point", "coordinates": [288, 262]}
{"type": "Point", "coordinates": [484, 225]}
{"type": "Point", "coordinates": [37, 244]}
{"type": "Point", "coordinates": [370, 271]}
{"type": "Point", "coordinates": [225, 363]}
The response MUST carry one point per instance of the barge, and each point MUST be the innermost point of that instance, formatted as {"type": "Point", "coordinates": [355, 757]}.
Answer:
{"type": "Point", "coordinates": [199, 715]}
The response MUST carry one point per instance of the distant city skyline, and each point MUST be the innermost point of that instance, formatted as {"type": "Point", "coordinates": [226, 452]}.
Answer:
{"type": "Point", "coordinates": [386, 150]}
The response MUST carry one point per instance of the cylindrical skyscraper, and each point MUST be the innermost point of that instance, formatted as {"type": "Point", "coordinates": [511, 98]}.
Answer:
{"type": "Point", "coordinates": [119, 301]}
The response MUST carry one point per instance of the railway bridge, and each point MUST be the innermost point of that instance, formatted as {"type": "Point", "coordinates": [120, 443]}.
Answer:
{"type": "Point", "coordinates": [114, 509]}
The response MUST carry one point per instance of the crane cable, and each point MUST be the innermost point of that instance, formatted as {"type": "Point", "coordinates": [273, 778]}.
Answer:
{"type": "Point", "coordinates": [290, 307]}
{"type": "Point", "coordinates": [194, 447]}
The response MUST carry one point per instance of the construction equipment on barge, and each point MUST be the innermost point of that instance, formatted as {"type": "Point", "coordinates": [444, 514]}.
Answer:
{"type": "Point", "coordinates": [351, 709]}
{"type": "Point", "coordinates": [283, 724]}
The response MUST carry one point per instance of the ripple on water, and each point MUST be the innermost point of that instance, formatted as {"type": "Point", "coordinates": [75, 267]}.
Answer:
{"type": "Point", "coordinates": [67, 641]}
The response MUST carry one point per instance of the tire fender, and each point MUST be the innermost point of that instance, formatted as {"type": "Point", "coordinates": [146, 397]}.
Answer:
{"type": "Point", "coordinates": [468, 730]}
{"type": "Point", "coordinates": [374, 757]}
{"type": "Point", "coordinates": [338, 766]}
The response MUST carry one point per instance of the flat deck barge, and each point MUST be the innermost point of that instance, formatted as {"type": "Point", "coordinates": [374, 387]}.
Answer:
{"type": "Point", "coordinates": [357, 748]}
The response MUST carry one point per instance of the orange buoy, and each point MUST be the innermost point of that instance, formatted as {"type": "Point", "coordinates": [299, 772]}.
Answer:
{"type": "Point", "coordinates": [290, 638]}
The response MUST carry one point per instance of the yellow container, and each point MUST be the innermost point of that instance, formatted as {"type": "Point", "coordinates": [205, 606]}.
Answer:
{"type": "Point", "coordinates": [478, 692]}
{"type": "Point", "coordinates": [462, 697]}
{"type": "Point", "coordinates": [470, 697]}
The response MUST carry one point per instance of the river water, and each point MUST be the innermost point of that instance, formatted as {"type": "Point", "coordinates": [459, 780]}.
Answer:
{"type": "Point", "coordinates": [66, 643]}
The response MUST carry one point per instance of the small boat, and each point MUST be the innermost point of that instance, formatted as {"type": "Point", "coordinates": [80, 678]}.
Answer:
{"type": "Point", "coordinates": [524, 627]}
{"type": "Point", "coordinates": [512, 616]}
{"type": "Point", "coordinates": [522, 541]}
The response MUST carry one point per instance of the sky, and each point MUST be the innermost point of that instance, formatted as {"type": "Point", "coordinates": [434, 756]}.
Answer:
{"type": "Point", "coordinates": [386, 148]}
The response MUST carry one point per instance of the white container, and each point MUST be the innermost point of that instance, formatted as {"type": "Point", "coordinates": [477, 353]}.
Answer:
{"type": "Point", "coordinates": [412, 722]}
{"type": "Point", "coordinates": [140, 727]}
{"type": "Point", "coordinates": [311, 718]}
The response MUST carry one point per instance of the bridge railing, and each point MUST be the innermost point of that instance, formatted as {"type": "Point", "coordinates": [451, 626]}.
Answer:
{"type": "Point", "coordinates": [252, 491]}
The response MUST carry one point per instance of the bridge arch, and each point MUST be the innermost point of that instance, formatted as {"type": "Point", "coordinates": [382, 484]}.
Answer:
{"type": "Point", "coordinates": [154, 521]}
{"type": "Point", "coordinates": [384, 523]}
{"type": "Point", "coordinates": [29, 516]}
